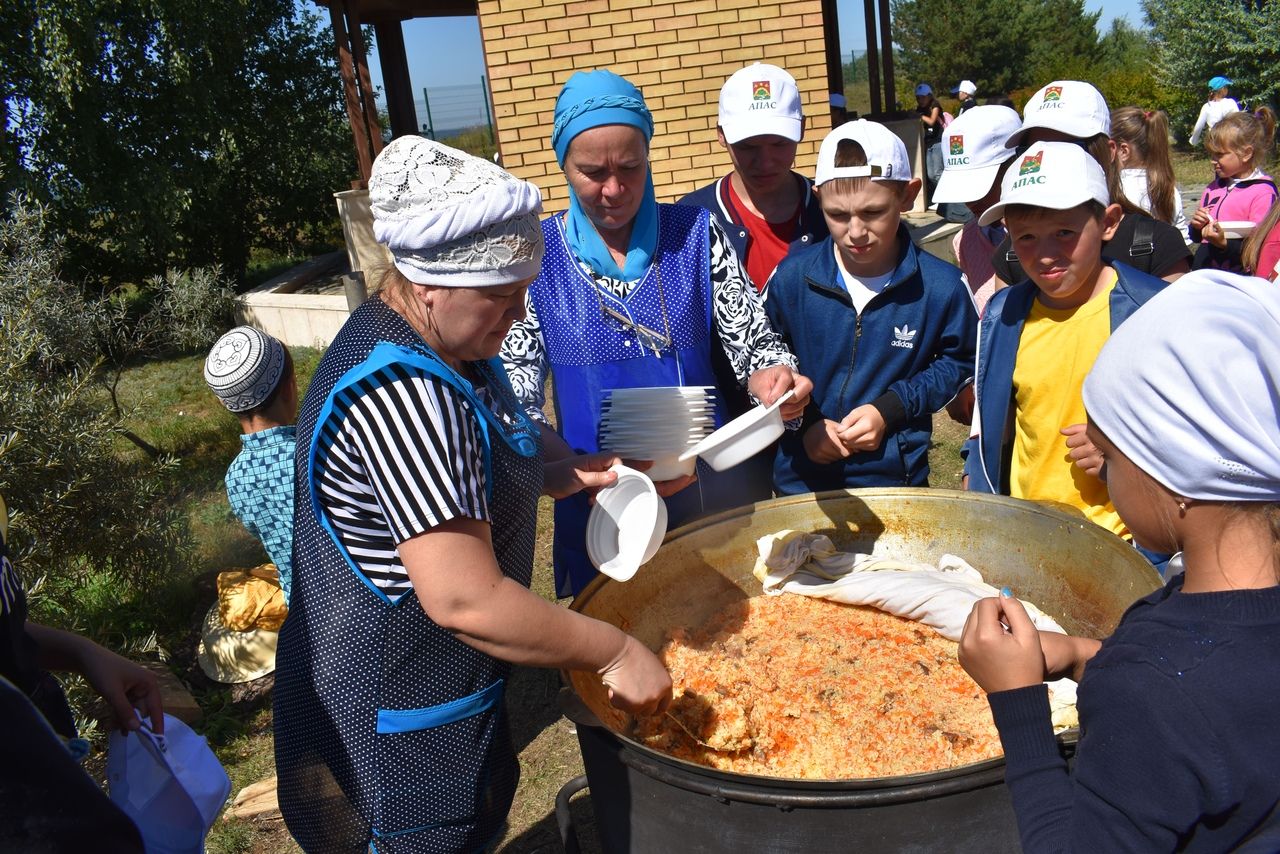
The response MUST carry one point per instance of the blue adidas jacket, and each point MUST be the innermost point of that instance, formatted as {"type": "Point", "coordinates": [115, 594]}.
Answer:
{"type": "Point", "coordinates": [908, 353]}
{"type": "Point", "coordinates": [987, 453]}
{"type": "Point", "coordinates": [811, 227]}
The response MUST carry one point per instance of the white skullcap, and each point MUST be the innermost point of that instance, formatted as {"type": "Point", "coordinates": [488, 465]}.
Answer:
{"type": "Point", "coordinates": [1187, 387]}
{"type": "Point", "coordinates": [244, 367]}
{"type": "Point", "coordinates": [452, 219]}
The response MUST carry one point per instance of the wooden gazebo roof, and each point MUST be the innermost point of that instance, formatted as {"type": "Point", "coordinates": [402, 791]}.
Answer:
{"type": "Point", "coordinates": [347, 17]}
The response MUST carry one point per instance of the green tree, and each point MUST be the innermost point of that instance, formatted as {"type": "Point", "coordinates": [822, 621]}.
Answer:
{"type": "Point", "coordinates": [1126, 68]}
{"type": "Point", "coordinates": [1002, 45]}
{"type": "Point", "coordinates": [171, 132]}
{"type": "Point", "coordinates": [82, 500]}
{"type": "Point", "coordinates": [1199, 39]}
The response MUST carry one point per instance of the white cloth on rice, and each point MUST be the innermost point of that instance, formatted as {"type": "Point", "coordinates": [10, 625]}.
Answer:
{"type": "Point", "coordinates": [939, 596]}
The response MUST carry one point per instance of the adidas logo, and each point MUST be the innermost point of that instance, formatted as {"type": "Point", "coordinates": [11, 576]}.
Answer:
{"type": "Point", "coordinates": [904, 336]}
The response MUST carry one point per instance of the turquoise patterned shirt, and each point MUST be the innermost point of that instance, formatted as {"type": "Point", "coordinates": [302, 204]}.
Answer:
{"type": "Point", "coordinates": [260, 489]}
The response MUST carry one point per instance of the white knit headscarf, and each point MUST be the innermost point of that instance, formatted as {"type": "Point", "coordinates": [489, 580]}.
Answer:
{"type": "Point", "coordinates": [1189, 387]}
{"type": "Point", "coordinates": [452, 219]}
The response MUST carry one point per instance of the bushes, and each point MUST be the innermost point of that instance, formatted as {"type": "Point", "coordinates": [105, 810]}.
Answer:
{"type": "Point", "coordinates": [84, 502]}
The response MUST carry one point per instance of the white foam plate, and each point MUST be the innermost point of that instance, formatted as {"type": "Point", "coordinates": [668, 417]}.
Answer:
{"type": "Point", "coordinates": [743, 437]}
{"type": "Point", "coordinates": [626, 525]}
{"type": "Point", "coordinates": [1237, 229]}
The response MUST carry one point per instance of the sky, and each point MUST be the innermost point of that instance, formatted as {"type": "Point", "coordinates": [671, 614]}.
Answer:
{"type": "Point", "coordinates": [445, 56]}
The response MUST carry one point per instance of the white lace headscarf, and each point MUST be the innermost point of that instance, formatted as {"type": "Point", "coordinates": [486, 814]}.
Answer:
{"type": "Point", "coordinates": [1189, 387]}
{"type": "Point", "coordinates": [452, 219]}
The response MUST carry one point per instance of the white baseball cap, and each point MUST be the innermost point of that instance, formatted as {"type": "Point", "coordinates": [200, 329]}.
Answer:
{"type": "Point", "coordinates": [886, 154]}
{"type": "Point", "coordinates": [1072, 107]}
{"type": "Point", "coordinates": [972, 150]}
{"type": "Point", "coordinates": [966, 86]}
{"type": "Point", "coordinates": [760, 100]}
{"type": "Point", "coordinates": [1054, 175]}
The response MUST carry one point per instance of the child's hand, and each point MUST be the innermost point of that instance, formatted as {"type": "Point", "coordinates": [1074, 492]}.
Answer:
{"type": "Point", "coordinates": [997, 658]}
{"type": "Point", "coordinates": [1082, 452]}
{"type": "Point", "coordinates": [1066, 655]}
{"type": "Point", "coordinates": [862, 429]}
{"type": "Point", "coordinates": [1214, 234]}
{"type": "Point", "coordinates": [822, 442]}
{"type": "Point", "coordinates": [124, 685]}
{"type": "Point", "coordinates": [1201, 218]}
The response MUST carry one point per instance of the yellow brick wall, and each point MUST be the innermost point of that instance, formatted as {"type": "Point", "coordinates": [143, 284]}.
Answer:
{"type": "Point", "coordinates": [679, 54]}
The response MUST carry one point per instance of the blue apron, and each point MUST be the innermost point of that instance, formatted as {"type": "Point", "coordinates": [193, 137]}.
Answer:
{"type": "Point", "coordinates": [389, 732]}
{"type": "Point", "coordinates": [590, 350]}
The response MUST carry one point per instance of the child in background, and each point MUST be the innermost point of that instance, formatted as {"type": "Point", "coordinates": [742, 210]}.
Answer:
{"type": "Point", "coordinates": [1237, 145]}
{"type": "Point", "coordinates": [975, 159]}
{"type": "Point", "coordinates": [1141, 139]}
{"type": "Point", "coordinates": [252, 374]}
{"type": "Point", "coordinates": [931, 125]}
{"type": "Point", "coordinates": [1178, 748]}
{"type": "Point", "coordinates": [1214, 110]}
{"type": "Point", "coordinates": [1261, 252]}
{"type": "Point", "coordinates": [1075, 111]}
{"type": "Point", "coordinates": [1038, 339]}
{"type": "Point", "coordinates": [885, 331]}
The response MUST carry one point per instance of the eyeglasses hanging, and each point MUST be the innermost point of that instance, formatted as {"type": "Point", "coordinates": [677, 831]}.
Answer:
{"type": "Point", "coordinates": [645, 335]}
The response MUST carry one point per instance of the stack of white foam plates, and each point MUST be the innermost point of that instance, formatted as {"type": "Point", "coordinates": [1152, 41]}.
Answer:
{"type": "Point", "coordinates": [659, 424]}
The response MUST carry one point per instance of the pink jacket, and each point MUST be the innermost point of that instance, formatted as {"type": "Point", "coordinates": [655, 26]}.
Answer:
{"type": "Point", "coordinates": [1246, 200]}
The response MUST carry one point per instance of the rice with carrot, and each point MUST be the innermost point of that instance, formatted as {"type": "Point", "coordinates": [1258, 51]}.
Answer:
{"type": "Point", "coordinates": [804, 688]}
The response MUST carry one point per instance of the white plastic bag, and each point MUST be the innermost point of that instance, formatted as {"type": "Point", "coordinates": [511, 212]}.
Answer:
{"type": "Point", "coordinates": [171, 785]}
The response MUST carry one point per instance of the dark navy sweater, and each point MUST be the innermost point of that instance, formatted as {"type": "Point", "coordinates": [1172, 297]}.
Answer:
{"type": "Point", "coordinates": [1179, 746]}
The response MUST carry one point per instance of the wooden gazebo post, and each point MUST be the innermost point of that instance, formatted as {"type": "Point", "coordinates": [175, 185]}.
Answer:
{"type": "Point", "coordinates": [357, 88]}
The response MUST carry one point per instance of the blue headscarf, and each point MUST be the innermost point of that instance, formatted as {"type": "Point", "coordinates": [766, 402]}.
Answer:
{"type": "Point", "coordinates": [588, 100]}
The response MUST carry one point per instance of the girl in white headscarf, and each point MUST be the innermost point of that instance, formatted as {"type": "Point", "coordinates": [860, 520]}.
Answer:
{"type": "Point", "coordinates": [1178, 748]}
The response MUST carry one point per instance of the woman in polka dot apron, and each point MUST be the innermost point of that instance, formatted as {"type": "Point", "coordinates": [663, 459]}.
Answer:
{"type": "Point", "coordinates": [417, 483]}
{"type": "Point", "coordinates": [633, 294]}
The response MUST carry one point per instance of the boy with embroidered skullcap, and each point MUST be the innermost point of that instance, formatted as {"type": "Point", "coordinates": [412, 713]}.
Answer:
{"type": "Point", "coordinates": [884, 330]}
{"type": "Point", "coordinates": [1038, 339]}
{"type": "Point", "coordinates": [252, 374]}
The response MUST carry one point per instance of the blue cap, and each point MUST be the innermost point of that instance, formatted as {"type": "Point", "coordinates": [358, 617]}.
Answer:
{"type": "Point", "coordinates": [1219, 82]}
{"type": "Point", "coordinates": [924, 89]}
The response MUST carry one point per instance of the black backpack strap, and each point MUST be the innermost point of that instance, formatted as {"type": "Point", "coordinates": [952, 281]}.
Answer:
{"type": "Point", "coordinates": [1006, 264]}
{"type": "Point", "coordinates": [1143, 246]}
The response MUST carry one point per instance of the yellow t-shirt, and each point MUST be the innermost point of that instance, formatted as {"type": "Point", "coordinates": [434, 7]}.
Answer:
{"type": "Point", "coordinates": [1055, 352]}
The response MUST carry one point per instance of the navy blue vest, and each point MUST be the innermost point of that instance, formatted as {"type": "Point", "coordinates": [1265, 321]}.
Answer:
{"type": "Point", "coordinates": [390, 732]}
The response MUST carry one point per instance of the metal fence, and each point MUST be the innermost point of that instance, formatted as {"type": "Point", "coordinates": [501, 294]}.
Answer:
{"type": "Point", "coordinates": [446, 110]}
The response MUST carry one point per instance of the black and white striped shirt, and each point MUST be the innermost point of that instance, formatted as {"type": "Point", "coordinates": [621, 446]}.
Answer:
{"type": "Point", "coordinates": [402, 454]}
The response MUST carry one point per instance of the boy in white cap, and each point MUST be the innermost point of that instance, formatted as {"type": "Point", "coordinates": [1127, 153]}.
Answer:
{"type": "Point", "coordinates": [764, 206]}
{"type": "Point", "coordinates": [1075, 111]}
{"type": "Point", "coordinates": [252, 374]}
{"type": "Point", "coordinates": [974, 160]}
{"type": "Point", "coordinates": [1038, 339]}
{"type": "Point", "coordinates": [885, 331]}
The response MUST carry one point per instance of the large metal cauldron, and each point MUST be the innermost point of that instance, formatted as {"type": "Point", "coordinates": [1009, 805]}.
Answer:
{"type": "Point", "coordinates": [646, 801]}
